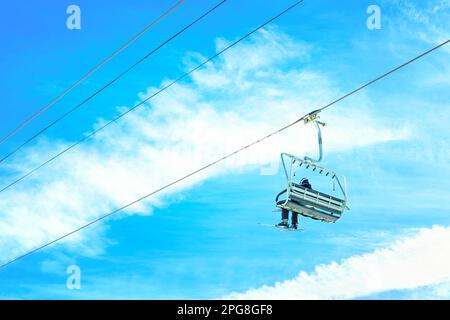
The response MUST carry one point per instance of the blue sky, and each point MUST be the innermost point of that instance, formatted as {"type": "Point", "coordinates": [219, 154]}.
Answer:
{"type": "Point", "coordinates": [201, 239]}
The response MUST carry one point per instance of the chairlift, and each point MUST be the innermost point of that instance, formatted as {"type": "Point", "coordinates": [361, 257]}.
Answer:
{"type": "Point", "coordinates": [307, 201]}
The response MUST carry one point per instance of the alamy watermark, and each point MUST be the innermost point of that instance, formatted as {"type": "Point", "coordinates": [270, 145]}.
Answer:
{"type": "Point", "coordinates": [374, 20]}
{"type": "Point", "coordinates": [73, 22]}
{"type": "Point", "coordinates": [74, 279]}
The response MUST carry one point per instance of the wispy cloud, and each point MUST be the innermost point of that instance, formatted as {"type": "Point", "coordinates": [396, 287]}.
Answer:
{"type": "Point", "coordinates": [425, 20]}
{"type": "Point", "coordinates": [245, 94]}
{"type": "Point", "coordinates": [412, 262]}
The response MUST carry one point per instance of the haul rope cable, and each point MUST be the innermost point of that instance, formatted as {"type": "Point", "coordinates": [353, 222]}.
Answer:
{"type": "Point", "coordinates": [64, 115]}
{"type": "Point", "coordinates": [311, 114]}
{"type": "Point", "coordinates": [145, 100]}
{"type": "Point", "coordinates": [315, 112]}
{"type": "Point", "coordinates": [78, 82]}
{"type": "Point", "coordinates": [166, 186]}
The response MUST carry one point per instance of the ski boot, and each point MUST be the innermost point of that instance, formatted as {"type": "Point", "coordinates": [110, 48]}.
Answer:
{"type": "Point", "coordinates": [283, 224]}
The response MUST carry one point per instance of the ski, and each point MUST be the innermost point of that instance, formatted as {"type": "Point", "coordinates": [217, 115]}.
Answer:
{"type": "Point", "coordinates": [280, 229]}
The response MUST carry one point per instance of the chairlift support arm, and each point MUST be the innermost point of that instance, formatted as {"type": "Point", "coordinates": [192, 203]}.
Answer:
{"type": "Point", "coordinates": [319, 138]}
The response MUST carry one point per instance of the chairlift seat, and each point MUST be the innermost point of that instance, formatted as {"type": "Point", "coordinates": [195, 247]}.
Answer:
{"type": "Point", "coordinates": [313, 204]}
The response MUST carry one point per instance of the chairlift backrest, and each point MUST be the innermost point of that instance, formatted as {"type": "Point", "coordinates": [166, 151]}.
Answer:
{"type": "Point", "coordinates": [291, 163]}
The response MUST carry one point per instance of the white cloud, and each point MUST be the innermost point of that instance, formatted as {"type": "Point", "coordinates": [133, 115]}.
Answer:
{"type": "Point", "coordinates": [411, 262]}
{"type": "Point", "coordinates": [262, 87]}
{"type": "Point", "coordinates": [439, 291]}
{"type": "Point", "coordinates": [425, 20]}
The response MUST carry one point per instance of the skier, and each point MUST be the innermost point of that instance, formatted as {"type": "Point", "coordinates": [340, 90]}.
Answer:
{"type": "Point", "coordinates": [285, 213]}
